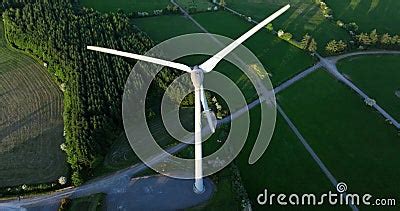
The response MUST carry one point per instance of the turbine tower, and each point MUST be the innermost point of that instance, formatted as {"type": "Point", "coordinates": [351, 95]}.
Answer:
{"type": "Point", "coordinates": [197, 80]}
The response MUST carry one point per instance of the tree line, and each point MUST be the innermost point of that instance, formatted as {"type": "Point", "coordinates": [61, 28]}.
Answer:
{"type": "Point", "coordinates": [57, 32]}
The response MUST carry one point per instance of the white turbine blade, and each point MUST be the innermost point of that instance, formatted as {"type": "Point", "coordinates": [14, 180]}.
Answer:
{"type": "Point", "coordinates": [206, 109]}
{"type": "Point", "coordinates": [213, 61]}
{"type": "Point", "coordinates": [142, 58]}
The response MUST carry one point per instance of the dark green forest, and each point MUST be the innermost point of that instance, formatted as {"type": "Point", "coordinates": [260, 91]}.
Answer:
{"type": "Point", "coordinates": [57, 33]}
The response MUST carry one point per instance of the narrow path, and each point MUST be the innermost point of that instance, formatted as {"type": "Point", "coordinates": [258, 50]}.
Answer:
{"type": "Point", "coordinates": [321, 165]}
{"type": "Point", "coordinates": [335, 59]}
{"type": "Point", "coordinates": [278, 89]}
{"type": "Point", "coordinates": [330, 65]}
{"type": "Point", "coordinates": [296, 78]}
{"type": "Point", "coordinates": [108, 183]}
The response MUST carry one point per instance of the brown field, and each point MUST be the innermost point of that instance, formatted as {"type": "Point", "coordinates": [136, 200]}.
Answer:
{"type": "Point", "coordinates": [31, 123]}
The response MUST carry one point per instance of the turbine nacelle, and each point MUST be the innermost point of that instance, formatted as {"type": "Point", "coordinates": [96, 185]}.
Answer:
{"type": "Point", "coordinates": [197, 76]}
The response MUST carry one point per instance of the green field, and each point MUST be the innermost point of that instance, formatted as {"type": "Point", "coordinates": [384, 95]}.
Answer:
{"type": "Point", "coordinates": [125, 5]}
{"type": "Point", "coordinates": [286, 166]}
{"type": "Point", "coordinates": [379, 77]}
{"type": "Point", "coordinates": [280, 59]}
{"type": "Point", "coordinates": [95, 202]}
{"type": "Point", "coordinates": [198, 5]}
{"type": "Point", "coordinates": [164, 27]}
{"type": "Point", "coordinates": [383, 15]}
{"type": "Point", "coordinates": [303, 17]}
{"type": "Point", "coordinates": [31, 122]}
{"type": "Point", "coordinates": [121, 154]}
{"type": "Point", "coordinates": [354, 142]}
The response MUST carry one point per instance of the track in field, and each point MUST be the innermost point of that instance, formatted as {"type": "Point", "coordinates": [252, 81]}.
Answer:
{"type": "Point", "coordinates": [31, 123]}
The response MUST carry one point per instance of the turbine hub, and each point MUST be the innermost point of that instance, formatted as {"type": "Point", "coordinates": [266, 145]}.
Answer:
{"type": "Point", "coordinates": [197, 77]}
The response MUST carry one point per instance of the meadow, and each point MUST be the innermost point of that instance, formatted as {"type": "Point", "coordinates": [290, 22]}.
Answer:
{"type": "Point", "coordinates": [125, 5]}
{"type": "Point", "coordinates": [280, 59]}
{"type": "Point", "coordinates": [354, 141]}
{"type": "Point", "coordinates": [303, 17]}
{"type": "Point", "coordinates": [369, 14]}
{"type": "Point", "coordinates": [93, 202]}
{"type": "Point", "coordinates": [161, 28]}
{"type": "Point", "coordinates": [378, 76]}
{"type": "Point", "coordinates": [31, 123]}
{"type": "Point", "coordinates": [198, 5]}
{"type": "Point", "coordinates": [286, 167]}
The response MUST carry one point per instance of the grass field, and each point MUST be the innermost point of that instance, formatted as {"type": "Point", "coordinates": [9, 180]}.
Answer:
{"type": "Point", "coordinates": [379, 77]}
{"type": "Point", "coordinates": [303, 17]}
{"type": "Point", "coordinates": [121, 154]}
{"type": "Point", "coordinates": [31, 123]}
{"type": "Point", "coordinates": [199, 5]}
{"type": "Point", "coordinates": [354, 142]}
{"type": "Point", "coordinates": [125, 5]}
{"type": "Point", "coordinates": [280, 59]}
{"type": "Point", "coordinates": [286, 167]}
{"type": "Point", "coordinates": [383, 15]}
{"type": "Point", "coordinates": [90, 203]}
{"type": "Point", "coordinates": [164, 27]}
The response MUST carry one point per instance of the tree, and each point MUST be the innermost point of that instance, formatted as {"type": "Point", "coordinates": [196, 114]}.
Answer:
{"type": "Point", "coordinates": [287, 36]}
{"type": "Point", "coordinates": [341, 45]}
{"type": "Point", "coordinates": [312, 47]}
{"type": "Point", "coordinates": [374, 37]}
{"type": "Point", "coordinates": [305, 41]}
{"type": "Point", "coordinates": [270, 27]}
{"type": "Point", "coordinates": [364, 39]}
{"type": "Point", "coordinates": [395, 40]}
{"type": "Point", "coordinates": [386, 39]}
{"type": "Point", "coordinates": [62, 180]}
{"type": "Point", "coordinates": [351, 27]}
{"type": "Point", "coordinates": [308, 43]}
{"type": "Point", "coordinates": [331, 47]}
{"type": "Point", "coordinates": [335, 46]}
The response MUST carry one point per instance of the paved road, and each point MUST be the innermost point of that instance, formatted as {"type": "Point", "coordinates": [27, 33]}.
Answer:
{"type": "Point", "coordinates": [112, 183]}
{"type": "Point", "coordinates": [158, 193]}
{"type": "Point", "coordinates": [330, 66]}
{"type": "Point", "coordinates": [335, 59]}
{"type": "Point", "coordinates": [107, 184]}
{"type": "Point", "coordinates": [321, 165]}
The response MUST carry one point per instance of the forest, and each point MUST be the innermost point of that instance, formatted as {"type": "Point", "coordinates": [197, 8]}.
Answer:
{"type": "Point", "coordinates": [57, 32]}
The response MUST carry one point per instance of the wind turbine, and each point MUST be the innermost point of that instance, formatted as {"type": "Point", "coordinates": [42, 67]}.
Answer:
{"type": "Point", "coordinates": [197, 80]}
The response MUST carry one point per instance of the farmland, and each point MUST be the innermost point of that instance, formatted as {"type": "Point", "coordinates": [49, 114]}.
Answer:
{"type": "Point", "coordinates": [31, 124]}
{"type": "Point", "coordinates": [280, 59]}
{"type": "Point", "coordinates": [379, 76]}
{"type": "Point", "coordinates": [353, 141]}
{"type": "Point", "coordinates": [161, 28]}
{"type": "Point", "coordinates": [285, 155]}
{"type": "Point", "coordinates": [125, 5]}
{"type": "Point", "coordinates": [369, 14]}
{"type": "Point", "coordinates": [303, 17]}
